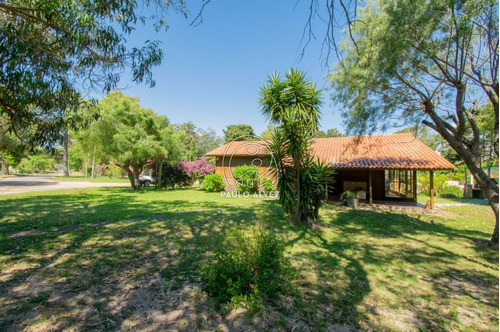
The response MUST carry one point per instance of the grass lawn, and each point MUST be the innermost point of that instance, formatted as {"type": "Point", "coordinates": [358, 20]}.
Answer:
{"type": "Point", "coordinates": [114, 259]}
{"type": "Point", "coordinates": [98, 179]}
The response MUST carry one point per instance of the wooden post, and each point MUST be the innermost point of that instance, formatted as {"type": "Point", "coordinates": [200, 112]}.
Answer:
{"type": "Point", "coordinates": [406, 183]}
{"type": "Point", "coordinates": [370, 189]}
{"type": "Point", "coordinates": [399, 182]}
{"type": "Point", "coordinates": [414, 185]}
{"type": "Point", "coordinates": [431, 187]}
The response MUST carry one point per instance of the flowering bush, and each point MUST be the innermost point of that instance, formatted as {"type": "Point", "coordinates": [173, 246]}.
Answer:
{"type": "Point", "coordinates": [196, 169]}
{"type": "Point", "coordinates": [102, 167]}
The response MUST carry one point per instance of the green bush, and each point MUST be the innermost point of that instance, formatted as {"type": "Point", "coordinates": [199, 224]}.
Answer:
{"type": "Point", "coordinates": [423, 180]}
{"type": "Point", "coordinates": [112, 170]}
{"type": "Point", "coordinates": [213, 182]}
{"type": "Point", "coordinates": [267, 184]}
{"type": "Point", "coordinates": [36, 164]}
{"type": "Point", "coordinates": [247, 177]}
{"type": "Point", "coordinates": [247, 267]}
{"type": "Point", "coordinates": [451, 192]}
{"type": "Point", "coordinates": [174, 176]}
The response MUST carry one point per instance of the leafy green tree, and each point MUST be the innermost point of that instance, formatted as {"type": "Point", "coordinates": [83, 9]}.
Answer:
{"type": "Point", "coordinates": [486, 125]}
{"type": "Point", "coordinates": [6, 160]}
{"type": "Point", "coordinates": [329, 133]}
{"type": "Point", "coordinates": [86, 147]}
{"type": "Point", "coordinates": [432, 62]}
{"type": "Point", "coordinates": [320, 134]}
{"type": "Point", "coordinates": [11, 148]}
{"type": "Point", "coordinates": [334, 132]}
{"type": "Point", "coordinates": [132, 136]}
{"type": "Point", "coordinates": [293, 104]}
{"type": "Point", "coordinates": [267, 134]}
{"type": "Point", "coordinates": [37, 163]}
{"type": "Point", "coordinates": [79, 117]}
{"type": "Point", "coordinates": [197, 141]}
{"type": "Point", "coordinates": [239, 132]}
{"type": "Point", "coordinates": [52, 49]}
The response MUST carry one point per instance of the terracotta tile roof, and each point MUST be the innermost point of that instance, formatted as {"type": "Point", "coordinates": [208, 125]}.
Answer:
{"type": "Point", "coordinates": [396, 151]}
{"type": "Point", "coordinates": [241, 148]}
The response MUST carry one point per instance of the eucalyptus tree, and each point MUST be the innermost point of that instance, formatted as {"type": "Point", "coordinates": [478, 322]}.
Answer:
{"type": "Point", "coordinates": [51, 50]}
{"type": "Point", "coordinates": [131, 136]}
{"type": "Point", "coordinates": [238, 132]}
{"type": "Point", "coordinates": [430, 62]}
{"type": "Point", "coordinates": [197, 141]}
{"type": "Point", "coordinates": [293, 105]}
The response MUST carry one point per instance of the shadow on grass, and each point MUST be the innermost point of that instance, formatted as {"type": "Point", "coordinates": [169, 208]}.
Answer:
{"type": "Point", "coordinates": [144, 273]}
{"type": "Point", "coordinates": [126, 272]}
{"type": "Point", "coordinates": [417, 247]}
{"type": "Point", "coordinates": [349, 246]}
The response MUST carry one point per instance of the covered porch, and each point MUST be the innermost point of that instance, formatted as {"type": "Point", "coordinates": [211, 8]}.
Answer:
{"type": "Point", "coordinates": [378, 186]}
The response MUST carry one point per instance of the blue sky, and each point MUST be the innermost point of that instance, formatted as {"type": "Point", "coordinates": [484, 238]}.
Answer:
{"type": "Point", "coordinates": [211, 74]}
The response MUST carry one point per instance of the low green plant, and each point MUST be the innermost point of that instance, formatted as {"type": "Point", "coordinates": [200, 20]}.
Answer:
{"type": "Point", "coordinates": [247, 266]}
{"type": "Point", "coordinates": [267, 184]}
{"type": "Point", "coordinates": [348, 196]}
{"type": "Point", "coordinates": [213, 183]}
{"type": "Point", "coordinates": [439, 183]}
{"type": "Point", "coordinates": [36, 164]}
{"type": "Point", "coordinates": [112, 170]}
{"type": "Point", "coordinates": [451, 192]}
{"type": "Point", "coordinates": [247, 178]}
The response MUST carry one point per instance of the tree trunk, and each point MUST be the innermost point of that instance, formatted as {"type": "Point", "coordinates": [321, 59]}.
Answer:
{"type": "Point", "coordinates": [298, 213]}
{"type": "Point", "coordinates": [490, 190]}
{"type": "Point", "coordinates": [159, 179]}
{"type": "Point", "coordinates": [86, 165]}
{"type": "Point", "coordinates": [65, 153]}
{"type": "Point", "coordinates": [93, 165]}
{"type": "Point", "coordinates": [2, 164]}
{"type": "Point", "coordinates": [471, 155]}
{"type": "Point", "coordinates": [136, 171]}
{"type": "Point", "coordinates": [129, 175]}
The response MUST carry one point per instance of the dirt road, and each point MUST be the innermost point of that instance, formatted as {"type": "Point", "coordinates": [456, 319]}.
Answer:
{"type": "Point", "coordinates": [29, 183]}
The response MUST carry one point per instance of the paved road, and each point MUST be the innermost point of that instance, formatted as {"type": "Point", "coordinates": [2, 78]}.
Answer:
{"type": "Point", "coordinates": [29, 183]}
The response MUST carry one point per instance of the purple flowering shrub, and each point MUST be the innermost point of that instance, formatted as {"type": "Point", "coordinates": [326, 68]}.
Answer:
{"type": "Point", "coordinates": [185, 173]}
{"type": "Point", "coordinates": [196, 169]}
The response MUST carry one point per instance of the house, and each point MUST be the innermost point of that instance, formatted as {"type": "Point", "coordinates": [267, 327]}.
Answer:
{"type": "Point", "coordinates": [383, 167]}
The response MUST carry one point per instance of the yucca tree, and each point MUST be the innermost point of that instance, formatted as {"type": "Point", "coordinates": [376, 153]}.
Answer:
{"type": "Point", "coordinates": [293, 104]}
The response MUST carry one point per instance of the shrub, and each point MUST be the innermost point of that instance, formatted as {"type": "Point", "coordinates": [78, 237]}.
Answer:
{"type": "Point", "coordinates": [112, 170]}
{"type": "Point", "coordinates": [247, 177]}
{"type": "Point", "coordinates": [36, 164]}
{"type": "Point", "coordinates": [173, 176]}
{"type": "Point", "coordinates": [349, 198]}
{"type": "Point", "coordinates": [213, 182]}
{"type": "Point", "coordinates": [451, 192]}
{"type": "Point", "coordinates": [440, 179]}
{"type": "Point", "coordinates": [247, 266]}
{"type": "Point", "coordinates": [101, 168]}
{"type": "Point", "coordinates": [267, 184]}
{"type": "Point", "coordinates": [196, 169]}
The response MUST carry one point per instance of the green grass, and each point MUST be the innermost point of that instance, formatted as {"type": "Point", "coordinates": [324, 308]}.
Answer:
{"type": "Point", "coordinates": [98, 179]}
{"type": "Point", "coordinates": [357, 269]}
{"type": "Point", "coordinates": [474, 201]}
